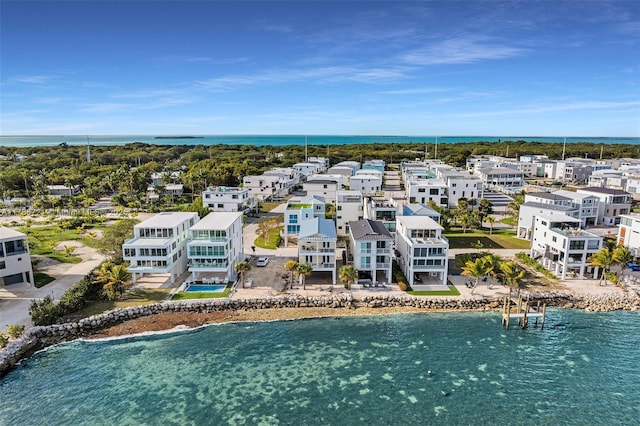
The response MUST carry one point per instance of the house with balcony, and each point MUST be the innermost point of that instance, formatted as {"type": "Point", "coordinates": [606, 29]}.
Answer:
{"type": "Point", "coordinates": [502, 179]}
{"type": "Point", "coordinates": [274, 183]}
{"type": "Point", "coordinates": [63, 190]}
{"type": "Point", "coordinates": [563, 248]}
{"type": "Point", "coordinates": [374, 165]}
{"type": "Point", "coordinates": [383, 210]}
{"type": "Point", "coordinates": [349, 208]}
{"type": "Point", "coordinates": [159, 245]}
{"type": "Point", "coordinates": [227, 199]}
{"type": "Point", "coordinates": [531, 209]}
{"type": "Point", "coordinates": [629, 233]}
{"type": "Point", "coordinates": [317, 242]}
{"type": "Point", "coordinates": [371, 246]}
{"type": "Point", "coordinates": [367, 184]}
{"type": "Point", "coordinates": [299, 209]}
{"type": "Point", "coordinates": [422, 250]}
{"type": "Point", "coordinates": [611, 204]}
{"type": "Point", "coordinates": [325, 186]}
{"type": "Point", "coordinates": [421, 191]}
{"type": "Point", "coordinates": [15, 260]}
{"type": "Point", "coordinates": [214, 247]}
{"type": "Point", "coordinates": [585, 204]}
{"type": "Point", "coordinates": [420, 210]}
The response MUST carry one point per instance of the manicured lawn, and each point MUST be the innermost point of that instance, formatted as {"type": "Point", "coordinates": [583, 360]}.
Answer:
{"type": "Point", "coordinates": [41, 279]}
{"type": "Point", "coordinates": [453, 291]}
{"type": "Point", "coordinates": [267, 206]}
{"type": "Point", "coordinates": [183, 295]}
{"type": "Point", "coordinates": [273, 242]}
{"type": "Point", "coordinates": [510, 220]}
{"type": "Point", "coordinates": [499, 239]}
{"type": "Point", "coordinates": [135, 297]}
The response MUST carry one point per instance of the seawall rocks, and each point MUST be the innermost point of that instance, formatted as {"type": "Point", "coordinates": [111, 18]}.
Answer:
{"type": "Point", "coordinates": [37, 338]}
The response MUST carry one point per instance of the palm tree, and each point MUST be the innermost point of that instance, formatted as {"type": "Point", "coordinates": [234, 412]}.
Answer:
{"type": "Point", "coordinates": [242, 268]}
{"type": "Point", "coordinates": [490, 220]}
{"type": "Point", "coordinates": [512, 273]}
{"type": "Point", "coordinates": [348, 275]}
{"type": "Point", "coordinates": [291, 267]}
{"type": "Point", "coordinates": [603, 259]}
{"type": "Point", "coordinates": [493, 262]}
{"type": "Point", "coordinates": [114, 278]}
{"type": "Point", "coordinates": [621, 256]}
{"type": "Point", "coordinates": [476, 269]}
{"type": "Point", "coordinates": [303, 270]}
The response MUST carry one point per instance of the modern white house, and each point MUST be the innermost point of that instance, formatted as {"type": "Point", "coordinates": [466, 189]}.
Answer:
{"type": "Point", "coordinates": [587, 205]}
{"type": "Point", "coordinates": [461, 185]}
{"type": "Point", "coordinates": [421, 191]}
{"type": "Point", "coordinates": [159, 245]}
{"type": "Point", "coordinates": [382, 209]}
{"type": "Point", "coordinates": [63, 190]}
{"type": "Point", "coordinates": [214, 247]}
{"type": "Point", "coordinates": [298, 210]}
{"type": "Point", "coordinates": [227, 199]}
{"type": "Point", "coordinates": [349, 208]}
{"type": "Point", "coordinates": [420, 210]}
{"type": "Point", "coordinates": [501, 179]}
{"type": "Point", "coordinates": [374, 165]}
{"type": "Point", "coordinates": [563, 248]}
{"type": "Point", "coordinates": [531, 209]}
{"type": "Point", "coordinates": [611, 204]}
{"type": "Point", "coordinates": [629, 233]}
{"type": "Point", "coordinates": [422, 250]}
{"type": "Point", "coordinates": [317, 245]}
{"type": "Point", "coordinates": [15, 260]}
{"type": "Point", "coordinates": [367, 184]}
{"type": "Point", "coordinates": [273, 183]}
{"type": "Point", "coordinates": [371, 246]}
{"type": "Point", "coordinates": [325, 186]}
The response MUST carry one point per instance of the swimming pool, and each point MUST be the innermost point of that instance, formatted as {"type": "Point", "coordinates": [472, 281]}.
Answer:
{"type": "Point", "coordinates": [204, 288]}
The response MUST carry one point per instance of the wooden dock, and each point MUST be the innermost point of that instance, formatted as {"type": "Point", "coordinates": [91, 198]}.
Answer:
{"type": "Point", "coordinates": [523, 311]}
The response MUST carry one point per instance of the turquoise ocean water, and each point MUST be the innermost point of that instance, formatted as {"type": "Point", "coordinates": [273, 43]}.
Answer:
{"type": "Point", "coordinates": [284, 139]}
{"type": "Point", "coordinates": [582, 369]}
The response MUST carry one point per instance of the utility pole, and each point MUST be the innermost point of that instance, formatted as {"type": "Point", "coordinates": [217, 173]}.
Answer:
{"type": "Point", "coordinates": [88, 150]}
{"type": "Point", "coordinates": [435, 154]}
{"type": "Point", "coordinates": [564, 148]}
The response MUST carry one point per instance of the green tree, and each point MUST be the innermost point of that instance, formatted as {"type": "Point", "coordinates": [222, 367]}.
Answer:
{"type": "Point", "coordinates": [113, 278]}
{"type": "Point", "coordinates": [114, 236]}
{"type": "Point", "coordinates": [242, 268]}
{"type": "Point", "coordinates": [621, 256]}
{"type": "Point", "coordinates": [303, 270]}
{"type": "Point", "coordinates": [348, 275]}
{"type": "Point", "coordinates": [603, 260]}
{"type": "Point", "coordinates": [44, 311]}
{"type": "Point", "coordinates": [512, 273]}
{"type": "Point", "coordinates": [491, 221]}
{"type": "Point", "coordinates": [291, 266]}
{"type": "Point", "coordinates": [476, 269]}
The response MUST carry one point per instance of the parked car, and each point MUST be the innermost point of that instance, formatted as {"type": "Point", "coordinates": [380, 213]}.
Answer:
{"type": "Point", "coordinates": [262, 261]}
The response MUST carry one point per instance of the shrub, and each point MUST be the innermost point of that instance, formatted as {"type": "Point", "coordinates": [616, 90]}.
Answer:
{"type": "Point", "coordinates": [44, 312]}
{"type": "Point", "coordinates": [15, 331]}
{"type": "Point", "coordinates": [403, 286]}
{"type": "Point", "coordinates": [3, 340]}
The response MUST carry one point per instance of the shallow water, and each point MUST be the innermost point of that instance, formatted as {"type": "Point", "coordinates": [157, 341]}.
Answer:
{"type": "Point", "coordinates": [582, 369]}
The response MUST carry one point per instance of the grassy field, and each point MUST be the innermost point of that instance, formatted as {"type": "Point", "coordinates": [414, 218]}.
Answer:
{"type": "Point", "coordinates": [44, 239]}
{"type": "Point", "coordinates": [499, 239]}
{"type": "Point", "coordinates": [453, 291]}
{"type": "Point", "coordinates": [267, 206]}
{"type": "Point", "coordinates": [273, 240]}
{"type": "Point", "coordinates": [510, 220]}
{"type": "Point", "coordinates": [135, 297]}
{"type": "Point", "coordinates": [41, 279]}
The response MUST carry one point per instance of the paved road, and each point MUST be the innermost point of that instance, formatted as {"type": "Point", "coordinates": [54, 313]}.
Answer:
{"type": "Point", "coordinates": [16, 299]}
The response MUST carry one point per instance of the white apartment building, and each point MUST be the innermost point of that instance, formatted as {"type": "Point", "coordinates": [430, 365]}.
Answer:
{"type": "Point", "coordinates": [298, 210]}
{"type": "Point", "coordinates": [353, 165]}
{"type": "Point", "coordinates": [227, 199]}
{"type": "Point", "coordinates": [215, 246]}
{"type": "Point", "coordinates": [159, 245]}
{"type": "Point", "coordinates": [322, 162]}
{"type": "Point", "coordinates": [424, 190]}
{"type": "Point", "coordinates": [614, 179]}
{"type": "Point", "coordinates": [371, 246]}
{"type": "Point", "coordinates": [530, 209]}
{"type": "Point", "coordinates": [629, 233]}
{"type": "Point", "coordinates": [368, 184]}
{"type": "Point", "coordinates": [383, 210]}
{"type": "Point", "coordinates": [461, 185]}
{"type": "Point", "coordinates": [343, 171]}
{"type": "Point", "coordinates": [374, 165]}
{"type": "Point", "coordinates": [563, 248]}
{"type": "Point", "coordinates": [633, 185]}
{"type": "Point", "coordinates": [501, 179]}
{"type": "Point", "coordinates": [268, 186]}
{"type": "Point", "coordinates": [349, 208]}
{"type": "Point", "coordinates": [587, 205]}
{"type": "Point", "coordinates": [422, 250]}
{"type": "Point", "coordinates": [307, 169]}
{"type": "Point", "coordinates": [325, 186]}
{"type": "Point", "coordinates": [317, 245]}
{"type": "Point", "coordinates": [611, 204]}
{"type": "Point", "coordinates": [15, 261]}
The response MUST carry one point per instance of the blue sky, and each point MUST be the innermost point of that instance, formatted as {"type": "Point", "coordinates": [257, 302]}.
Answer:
{"type": "Point", "coordinates": [503, 68]}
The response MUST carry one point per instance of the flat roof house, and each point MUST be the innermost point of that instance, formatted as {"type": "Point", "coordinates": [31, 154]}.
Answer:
{"type": "Point", "coordinates": [15, 261]}
{"type": "Point", "coordinates": [227, 199]}
{"type": "Point", "coordinates": [159, 245]}
{"type": "Point", "coordinates": [611, 204]}
{"type": "Point", "coordinates": [629, 233]}
{"type": "Point", "coordinates": [317, 245]}
{"type": "Point", "coordinates": [215, 246]}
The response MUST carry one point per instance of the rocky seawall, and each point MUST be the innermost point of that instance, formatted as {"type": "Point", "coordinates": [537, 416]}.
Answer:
{"type": "Point", "coordinates": [37, 338]}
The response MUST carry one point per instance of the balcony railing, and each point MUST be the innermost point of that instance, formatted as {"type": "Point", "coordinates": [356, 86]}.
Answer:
{"type": "Point", "coordinates": [207, 265]}
{"type": "Point", "coordinates": [317, 250]}
{"type": "Point", "coordinates": [428, 267]}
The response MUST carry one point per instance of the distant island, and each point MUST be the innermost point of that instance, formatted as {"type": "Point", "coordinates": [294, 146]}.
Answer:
{"type": "Point", "coordinates": [179, 137]}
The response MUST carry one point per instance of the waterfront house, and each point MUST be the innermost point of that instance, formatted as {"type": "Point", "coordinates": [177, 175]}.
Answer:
{"type": "Point", "coordinates": [15, 261]}
{"type": "Point", "coordinates": [371, 246]}
{"type": "Point", "coordinates": [214, 246]}
{"type": "Point", "coordinates": [422, 250]}
{"type": "Point", "coordinates": [159, 245]}
{"type": "Point", "coordinates": [298, 210]}
{"type": "Point", "coordinates": [317, 245]}
{"type": "Point", "coordinates": [629, 233]}
{"type": "Point", "coordinates": [382, 209]}
{"type": "Point", "coordinates": [530, 209]}
{"type": "Point", "coordinates": [349, 208]}
{"type": "Point", "coordinates": [611, 204]}
{"type": "Point", "coordinates": [563, 248]}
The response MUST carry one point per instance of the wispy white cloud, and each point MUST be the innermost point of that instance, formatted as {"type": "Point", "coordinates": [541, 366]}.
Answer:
{"type": "Point", "coordinates": [551, 107]}
{"type": "Point", "coordinates": [461, 50]}
{"type": "Point", "coordinates": [31, 79]}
